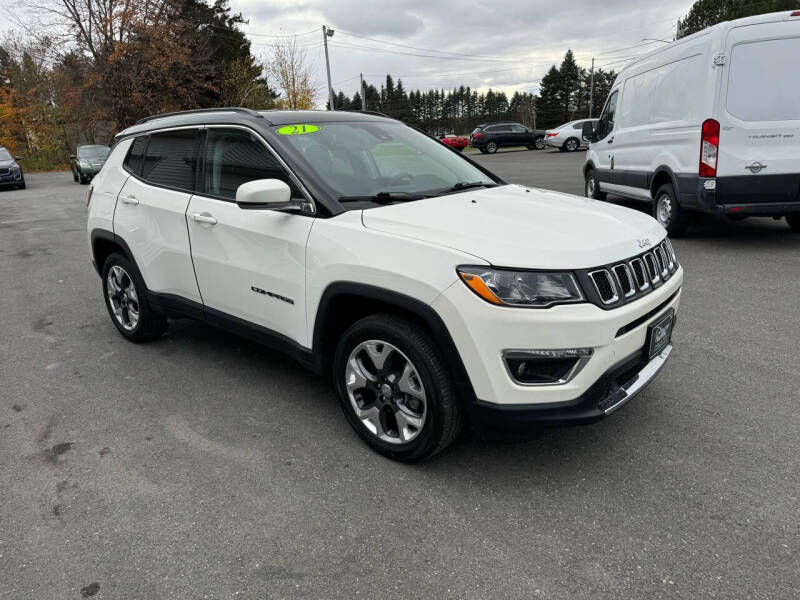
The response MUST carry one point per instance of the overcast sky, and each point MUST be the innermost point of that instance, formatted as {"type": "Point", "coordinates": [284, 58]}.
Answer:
{"type": "Point", "coordinates": [505, 45]}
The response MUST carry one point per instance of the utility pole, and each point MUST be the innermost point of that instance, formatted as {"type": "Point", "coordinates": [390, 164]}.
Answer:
{"type": "Point", "coordinates": [363, 93]}
{"type": "Point", "coordinates": [326, 33]}
{"type": "Point", "coordinates": [591, 90]}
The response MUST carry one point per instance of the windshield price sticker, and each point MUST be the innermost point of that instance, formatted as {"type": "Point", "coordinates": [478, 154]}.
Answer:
{"type": "Point", "coordinates": [297, 129]}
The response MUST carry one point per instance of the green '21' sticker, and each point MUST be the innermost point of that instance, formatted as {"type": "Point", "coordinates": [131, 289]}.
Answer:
{"type": "Point", "coordinates": [297, 129]}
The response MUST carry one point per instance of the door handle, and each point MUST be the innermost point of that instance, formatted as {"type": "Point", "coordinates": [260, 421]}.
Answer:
{"type": "Point", "coordinates": [611, 141]}
{"type": "Point", "coordinates": [130, 199]}
{"type": "Point", "coordinates": [207, 219]}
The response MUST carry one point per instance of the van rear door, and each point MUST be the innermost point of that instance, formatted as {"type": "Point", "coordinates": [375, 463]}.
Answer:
{"type": "Point", "coordinates": [759, 108]}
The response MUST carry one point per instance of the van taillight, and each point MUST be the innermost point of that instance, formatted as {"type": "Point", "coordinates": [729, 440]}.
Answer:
{"type": "Point", "coordinates": [709, 148]}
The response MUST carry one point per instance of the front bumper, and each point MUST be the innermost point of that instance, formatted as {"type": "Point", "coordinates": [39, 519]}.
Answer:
{"type": "Point", "coordinates": [481, 332]}
{"type": "Point", "coordinates": [11, 179]}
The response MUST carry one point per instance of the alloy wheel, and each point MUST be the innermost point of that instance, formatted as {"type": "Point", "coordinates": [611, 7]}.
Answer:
{"type": "Point", "coordinates": [539, 143]}
{"type": "Point", "coordinates": [122, 297]}
{"type": "Point", "coordinates": [572, 145]}
{"type": "Point", "coordinates": [386, 392]}
{"type": "Point", "coordinates": [590, 186]}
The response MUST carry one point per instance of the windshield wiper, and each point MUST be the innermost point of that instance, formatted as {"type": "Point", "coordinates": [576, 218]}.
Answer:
{"type": "Point", "coordinates": [384, 197]}
{"type": "Point", "coordinates": [466, 185]}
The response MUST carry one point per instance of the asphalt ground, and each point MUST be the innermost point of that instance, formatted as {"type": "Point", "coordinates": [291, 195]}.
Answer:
{"type": "Point", "coordinates": [204, 466]}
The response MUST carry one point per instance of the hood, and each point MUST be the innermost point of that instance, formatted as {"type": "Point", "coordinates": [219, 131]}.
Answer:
{"type": "Point", "coordinates": [515, 226]}
{"type": "Point", "coordinates": [7, 164]}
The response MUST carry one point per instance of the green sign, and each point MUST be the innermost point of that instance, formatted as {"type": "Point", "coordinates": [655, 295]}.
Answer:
{"type": "Point", "coordinates": [297, 129]}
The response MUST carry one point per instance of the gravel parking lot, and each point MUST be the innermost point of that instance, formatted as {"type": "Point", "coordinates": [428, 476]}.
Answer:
{"type": "Point", "coordinates": [203, 466]}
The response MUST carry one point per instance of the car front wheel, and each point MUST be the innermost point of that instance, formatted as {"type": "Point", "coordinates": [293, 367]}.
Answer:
{"type": "Point", "coordinates": [591, 187]}
{"type": "Point", "coordinates": [395, 389]}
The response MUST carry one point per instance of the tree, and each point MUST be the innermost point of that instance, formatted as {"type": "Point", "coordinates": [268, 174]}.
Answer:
{"type": "Point", "coordinates": [290, 69]}
{"type": "Point", "coordinates": [549, 109]}
{"type": "Point", "coordinates": [705, 13]}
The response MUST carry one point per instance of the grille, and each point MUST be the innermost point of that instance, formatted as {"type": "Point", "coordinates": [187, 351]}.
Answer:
{"type": "Point", "coordinates": [5, 171]}
{"type": "Point", "coordinates": [652, 269]}
{"type": "Point", "coordinates": [638, 272]}
{"type": "Point", "coordinates": [627, 280]}
{"type": "Point", "coordinates": [624, 279]}
{"type": "Point", "coordinates": [604, 286]}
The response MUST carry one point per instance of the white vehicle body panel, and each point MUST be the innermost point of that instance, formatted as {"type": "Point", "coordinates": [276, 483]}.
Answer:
{"type": "Point", "coordinates": [741, 74]}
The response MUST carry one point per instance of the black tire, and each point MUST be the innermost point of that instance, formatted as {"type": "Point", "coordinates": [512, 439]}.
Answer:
{"type": "Point", "coordinates": [83, 180]}
{"type": "Point", "coordinates": [75, 177]}
{"type": "Point", "coordinates": [460, 149]}
{"type": "Point", "coordinates": [794, 222]}
{"type": "Point", "coordinates": [572, 144]}
{"type": "Point", "coordinates": [22, 185]}
{"type": "Point", "coordinates": [674, 218]}
{"type": "Point", "coordinates": [150, 325]}
{"type": "Point", "coordinates": [591, 186]}
{"type": "Point", "coordinates": [482, 149]}
{"type": "Point", "coordinates": [491, 147]}
{"type": "Point", "coordinates": [443, 415]}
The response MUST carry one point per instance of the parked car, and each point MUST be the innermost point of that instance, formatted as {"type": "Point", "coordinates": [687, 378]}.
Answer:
{"type": "Point", "coordinates": [87, 162]}
{"type": "Point", "coordinates": [491, 136]}
{"type": "Point", "coordinates": [710, 123]}
{"type": "Point", "coordinates": [569, 136]}
{"type": "Point", "coordinates": [428, 289]}
{"type": "Point", "coordinates": [11, 174]}
{"type": "Point", "coordinates": [454, 141]}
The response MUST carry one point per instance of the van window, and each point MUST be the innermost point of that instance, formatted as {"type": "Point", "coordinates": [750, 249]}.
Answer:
{"type": "Point", "coordinates": [763, 84]}
{"type": "Point", "coordinates": [233, 157]}
{"type": "Point", "coordinates": [170, 159]}
{"type": "Point", "coordinates": [605, 124]}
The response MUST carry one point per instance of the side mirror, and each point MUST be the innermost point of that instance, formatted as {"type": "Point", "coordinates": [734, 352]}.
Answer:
{"type": "Point", "coordinates": [17, 158]}
{"type": "Point", "coordinates": [265, 193]}
{"type": "Point", "coordinates": [588, 132]}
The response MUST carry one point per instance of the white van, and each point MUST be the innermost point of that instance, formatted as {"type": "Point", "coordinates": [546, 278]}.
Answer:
{"type": "Point", "coordinates": [710, 123]}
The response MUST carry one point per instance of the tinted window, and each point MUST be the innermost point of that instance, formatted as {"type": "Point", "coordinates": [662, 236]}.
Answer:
{"type": "Point", "coordinates": [518, 129]}
{"type": "Point", "coordinates": [233, 157]}
{"type": "Point", "coordinates": [93, 152]}
{"type": "Point", "coordinates": [606, 123]}
{"type": "Point", "coordinates": [133, 162]}
{"type": "Point", "coordinates": [578, 125]}
{"type": "Point", "coordinates": [763, 84]}
{"type": "Point", "coordinates": [170, 159]}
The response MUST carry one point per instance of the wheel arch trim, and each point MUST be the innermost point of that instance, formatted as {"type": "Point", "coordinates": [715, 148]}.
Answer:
{"type": "Point", "coordinates": [415, 307]}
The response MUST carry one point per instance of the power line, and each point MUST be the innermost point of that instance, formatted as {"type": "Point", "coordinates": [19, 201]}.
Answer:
{"type": "Point", "coordinates": [283, 35]}
{"type": "Point", "coordinates": [401, 53]}
{"type": "Point", "coordinates": [363, 37]}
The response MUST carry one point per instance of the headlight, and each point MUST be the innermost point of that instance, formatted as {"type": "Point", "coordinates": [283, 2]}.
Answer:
{"type": "Point", "coordinates": [521, 288]}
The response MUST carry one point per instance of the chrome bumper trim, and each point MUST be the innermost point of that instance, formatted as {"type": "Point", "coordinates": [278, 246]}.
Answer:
{"type": "Point", "coordinates": [639, 381]}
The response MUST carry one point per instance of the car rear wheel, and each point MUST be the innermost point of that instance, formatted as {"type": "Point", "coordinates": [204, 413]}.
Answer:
{"type": "Point", "coordinates": [571, 145]}
{"type": "Point", "coordinates": [126, 299]}
{"type": "Point", "coordinates": [491, 147]}
{"type": "Point", "coordinates": [591, 188]}
{"type": "Point", "coordinates": [538, 143]}
{"type": "Point", "coordinates": [669, 213]}
{"type": "Point", "coordinates": [794, 221]}
{"type": "Point", "coordinates": [395, 389]}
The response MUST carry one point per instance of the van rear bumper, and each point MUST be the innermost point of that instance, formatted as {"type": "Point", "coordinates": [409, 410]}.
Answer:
{"type": "Point", "coordinates": [753, 195]}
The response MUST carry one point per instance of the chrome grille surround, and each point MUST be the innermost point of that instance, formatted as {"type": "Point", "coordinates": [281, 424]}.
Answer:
{"type": "Point", "coordinates": [618, 283]}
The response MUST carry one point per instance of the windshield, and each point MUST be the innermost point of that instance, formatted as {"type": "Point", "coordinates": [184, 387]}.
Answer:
{"type": "Point", "coordinates": [4, 155]}
{"type": "Point", "coordinates": [93, 151]}
{"type": "Point", "coordinates": [365, 159]}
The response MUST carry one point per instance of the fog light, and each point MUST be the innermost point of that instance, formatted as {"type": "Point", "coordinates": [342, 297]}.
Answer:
{"type": "Point", "coordinates": [545, 367]}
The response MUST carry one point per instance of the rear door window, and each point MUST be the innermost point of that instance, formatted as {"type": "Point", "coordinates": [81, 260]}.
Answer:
{"type": "Point", "coordinates": [135, 158]}
{"type": "Point", "coordinates": [171, 159]}
{"type": "Point", "coordinates": [763, 83]}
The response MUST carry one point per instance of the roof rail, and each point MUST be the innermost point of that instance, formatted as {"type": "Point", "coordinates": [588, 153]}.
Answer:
{"type": "Point", "coordinates": [369, 112]}
{"type": "Point", "coordinates": [239, 109]}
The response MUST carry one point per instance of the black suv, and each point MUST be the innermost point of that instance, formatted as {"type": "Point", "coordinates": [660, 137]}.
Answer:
{"type": "Point", "coordinates": [490, 136]}
{"type": "Point", "coordinates": [10, 172]}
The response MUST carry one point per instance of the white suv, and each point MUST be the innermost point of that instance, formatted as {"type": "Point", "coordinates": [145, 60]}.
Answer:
{"type": "Point", "coordinates": [430, 291]}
